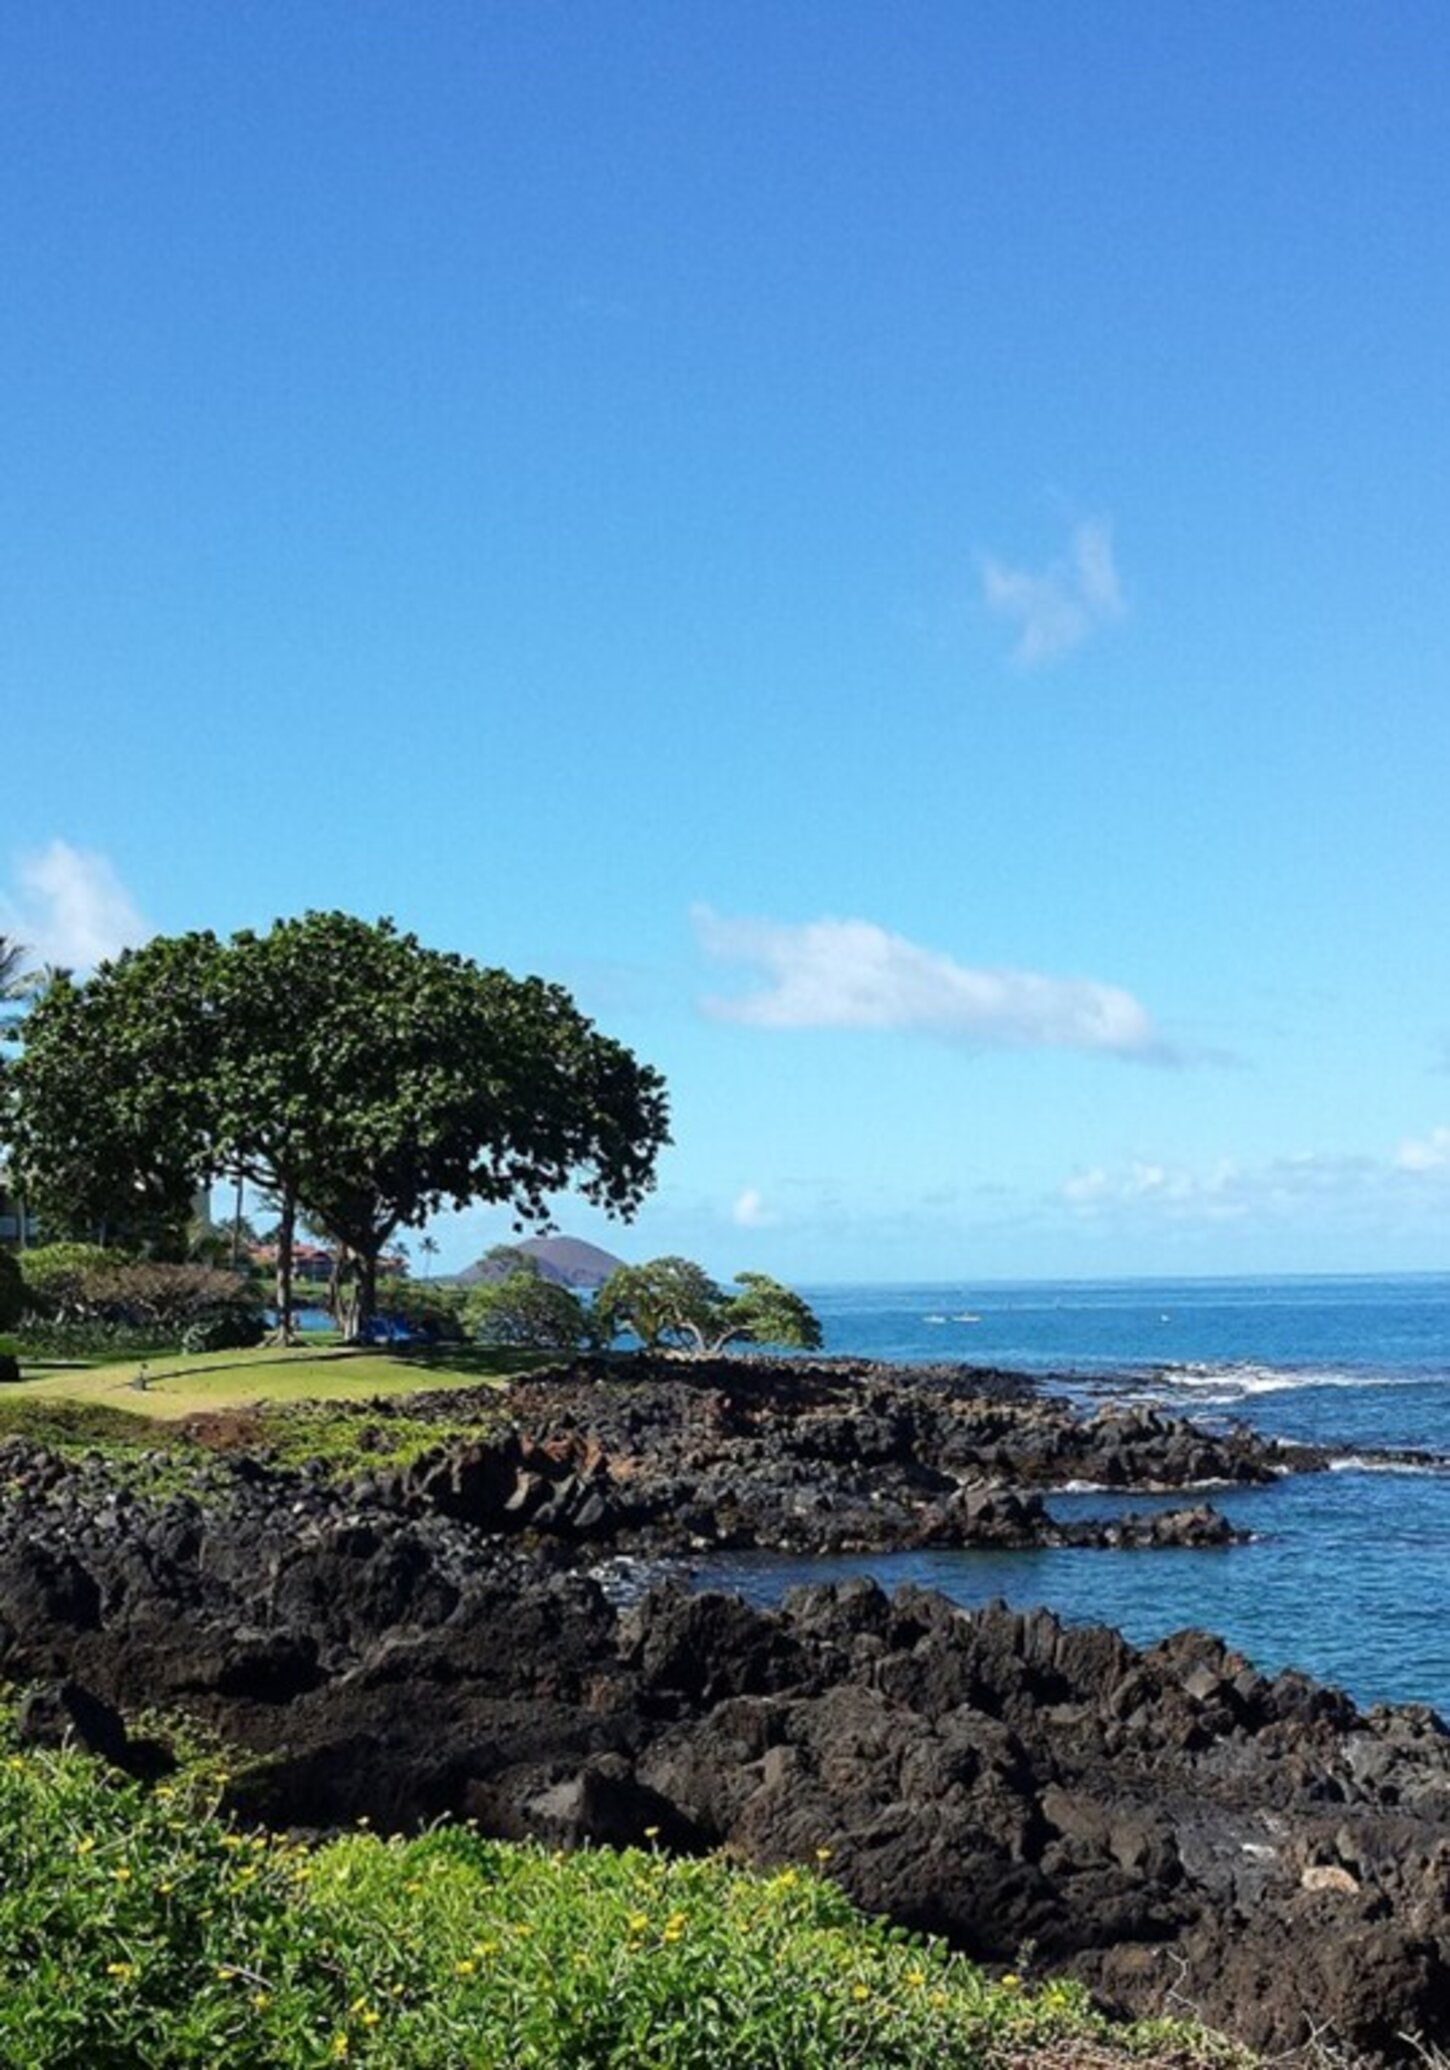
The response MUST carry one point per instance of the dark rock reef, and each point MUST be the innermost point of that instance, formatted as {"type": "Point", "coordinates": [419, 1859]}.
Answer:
{"type": "Point", "coordinates": [1167, 1823]}
{"type": "Point", "coordinates": [672, 1456]}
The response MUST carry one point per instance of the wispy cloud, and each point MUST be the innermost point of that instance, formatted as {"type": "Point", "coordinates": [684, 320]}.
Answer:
{"type": "Point", "coordinates": [1280, 1190]}
{"type": "Point", "coordinates": [854, 974]}
{"type": "Point", "coordinates": [70, 907]}
{"type": "Point", "coordinates": [1214, 1195]}
{"type": "Point", "coordinates": [1427, 1153]}
{"type": "Point", "coordinates": [751, 1212]}
{"type": "Point", "coordinates": [1056, 608]}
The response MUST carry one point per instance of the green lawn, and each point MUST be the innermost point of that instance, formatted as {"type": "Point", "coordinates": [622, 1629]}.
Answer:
{"type": "Point", "coordinates": [178, 1385]}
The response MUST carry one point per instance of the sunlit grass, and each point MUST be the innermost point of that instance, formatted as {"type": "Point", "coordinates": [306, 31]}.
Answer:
{"type": "Point", "coordinates": [175, 1384]}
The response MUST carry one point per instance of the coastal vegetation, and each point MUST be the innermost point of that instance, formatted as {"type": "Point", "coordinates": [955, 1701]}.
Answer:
{"type": "Point", "coordinates": [674, 1301]}
{"type": "Point", "coordinates": [138, 1926]}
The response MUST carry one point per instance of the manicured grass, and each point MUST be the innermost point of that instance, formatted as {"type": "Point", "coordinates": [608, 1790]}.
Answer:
{"type": "Point", "coordinates": [137, 1929]}
{"type": "Point", "coordinates": [178, 1385]}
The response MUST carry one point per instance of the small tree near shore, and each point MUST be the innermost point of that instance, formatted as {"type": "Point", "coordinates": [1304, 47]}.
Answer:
{"type": "Point", "coordinates": [673, 1301]}
{"type": "Point", "coordinates": [528, 1311]}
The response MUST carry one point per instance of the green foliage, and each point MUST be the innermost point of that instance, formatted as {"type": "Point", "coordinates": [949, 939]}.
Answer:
{"type": "Point", "coordinates": [668, 1300]}
{"type": "Point", "coordinates": [765, 1312]}
{"type": "Point", "coordinates": [12, 1292]}
{"type": "Point", "coordinates": [92, 1343]}
{"type": "Point", "coordinates": [9, 1369]}
{"type": "Point", "coordinates": [340, 1065]}
{"type": "Point", "coordinates": [55, 1276]}
{"type": "Point", "coordinates": [526, 1309]}
{"type": "Point", "coordinates": [76, 1283]}
{"type": "Point", "coordinates": [230, 1329]}
{"type": "Point", "coordinates": [112, 1107]}
{"type": "Point", "coordinates": [431, 1312]}
{"type": "Point", "coordinates": [138, 1928]}
{"type": "Point", "coordinates": [406, 1079]}
{"type": "Point", "coordinates": [674, 1301]}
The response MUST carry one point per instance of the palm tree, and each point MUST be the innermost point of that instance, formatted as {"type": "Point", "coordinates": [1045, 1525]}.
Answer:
{"type": "Point", "coordinates": [17, 979]}
{"type": "Point", "coordinates": [428, 1245]}
{"type": "Point", "coordinates": [17, 982]}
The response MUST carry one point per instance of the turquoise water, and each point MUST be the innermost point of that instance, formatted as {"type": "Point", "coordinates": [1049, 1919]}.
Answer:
{"type": "Point", "coordinates": [1348, 1573]}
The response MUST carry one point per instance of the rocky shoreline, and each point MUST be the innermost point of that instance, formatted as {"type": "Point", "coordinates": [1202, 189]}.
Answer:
{"type": "Point", "coordinates": [1168, 1824]}
{"type": "Point", "coordinates": [675, 1456]}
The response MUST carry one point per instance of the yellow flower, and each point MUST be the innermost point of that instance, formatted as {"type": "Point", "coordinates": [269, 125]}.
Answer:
{"type": "Point", "coordinates": [339, 2046]}
{"type": "Point", "coordinates": [823, 1854]}
{"type": "Point", "coordinates": [859, 1992]}
{"type": "Point", "coordinates": [638, 1921]}
{"type": "Point", "coordinates": [370, 2018]}
{"type": "Point", "coordinates": [1011, 1982]}
{"type": "Point", "coordinates": [261, 2000]}
{"type": "Point", "coordinates": [123, 1875]}
{"type": "Point", "coordinates": [120, 1969]}
{"type": "Point", "coordinates": [464, 1968]}
{"type": "Point", "coordinates": [85, 1843]}
{"type": "Point", "coordinates": [651, 1832]}
{"type": "Point", "coordinates": [916, 1976]}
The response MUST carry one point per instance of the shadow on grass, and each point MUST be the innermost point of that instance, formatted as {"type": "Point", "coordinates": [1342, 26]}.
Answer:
{"type": "Point", "coordinates": [485, 1361]}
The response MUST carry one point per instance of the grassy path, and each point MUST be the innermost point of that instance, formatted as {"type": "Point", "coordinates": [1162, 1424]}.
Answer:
{"type": "Point", "coordinates": [183, 1385]}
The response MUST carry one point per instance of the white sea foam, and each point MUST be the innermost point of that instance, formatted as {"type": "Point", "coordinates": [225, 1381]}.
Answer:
{"type": "Point", "coordinates": [1234, 1382]}
{"type": "Point", "coordinates": [1355, 1462]}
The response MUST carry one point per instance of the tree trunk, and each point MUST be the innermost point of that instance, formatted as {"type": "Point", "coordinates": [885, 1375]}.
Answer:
{"type": "Point", "coordinates": [286, 1230]}
{"type": "Point", "coordinates": [365, 1293]}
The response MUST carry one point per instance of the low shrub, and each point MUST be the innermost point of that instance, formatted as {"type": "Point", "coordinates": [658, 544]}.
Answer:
{"type": "Point", "coordinates": [234, 1329]}
{"type": "Point", "coordinates": [96, 1341]}
{"type": "Point", "coordinates": [12, 1292]}
{"type": "Point", "coordinates": [55, 1276]}
{"type": "Point", "coordinates": [78, 1285]}
{"type": "Point", "coordinates": [9, 1368]}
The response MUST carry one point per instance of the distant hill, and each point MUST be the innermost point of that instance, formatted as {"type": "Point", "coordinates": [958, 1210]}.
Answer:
{"type": "Point", "coordinates": [567, 1260]}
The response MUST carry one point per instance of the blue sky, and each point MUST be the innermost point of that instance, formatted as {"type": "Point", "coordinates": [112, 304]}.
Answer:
{"type": "Point", "coordinates": [900, 552]}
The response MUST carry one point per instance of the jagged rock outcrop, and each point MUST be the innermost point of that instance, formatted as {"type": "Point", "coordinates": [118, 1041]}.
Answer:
{"type": "Point", "coordinates": [671, 1455]}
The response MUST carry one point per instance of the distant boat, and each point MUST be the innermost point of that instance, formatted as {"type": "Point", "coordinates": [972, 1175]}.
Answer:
{"type": "Point", "coordinates": [966, 1318]}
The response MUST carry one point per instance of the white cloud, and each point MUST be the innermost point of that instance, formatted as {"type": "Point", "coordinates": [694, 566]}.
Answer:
{"type": "Point", "coordinates": [1215, 1195]}
{"type": "Point", "coordinates": [1429, 1153]}
{"type": "Point", "coordinates": [854, 974]}
{"type": "Point", "coordinates": [71, 908]}
{"type": "Point", "coordinates": [1309, 1187]}
{"type": "Point", "coordinates": [751, 1212]}
{"type": "Point", "coordinates": [1057, 608]}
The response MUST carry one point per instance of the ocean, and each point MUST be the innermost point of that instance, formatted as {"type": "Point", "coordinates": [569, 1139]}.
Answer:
{"type": "Point", "coordinates": [1347, 1574]}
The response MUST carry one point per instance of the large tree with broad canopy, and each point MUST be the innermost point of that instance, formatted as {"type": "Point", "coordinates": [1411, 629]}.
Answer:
{"type": "Point", "coordinates": [364, 1079]}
